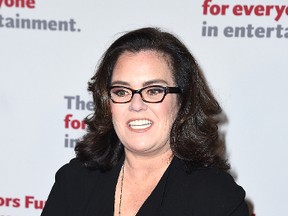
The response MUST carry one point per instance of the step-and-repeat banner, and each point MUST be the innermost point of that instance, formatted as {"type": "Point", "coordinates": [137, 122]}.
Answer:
{"type": "Point", "coordinates": [49, 50]}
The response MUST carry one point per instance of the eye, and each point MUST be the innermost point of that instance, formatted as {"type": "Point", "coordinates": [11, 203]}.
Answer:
{"type": "Point", "coordinates": [156, 90]}
{"type": "Point", "coordinates": [120, 92]}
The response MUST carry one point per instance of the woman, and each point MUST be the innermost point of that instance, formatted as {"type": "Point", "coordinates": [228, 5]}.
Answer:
{"type": "Point", "coordinates": [152, 141]}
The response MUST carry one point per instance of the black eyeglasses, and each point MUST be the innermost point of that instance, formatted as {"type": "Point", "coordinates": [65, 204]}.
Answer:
{"type": "Point", "coordinates": [149, 94]}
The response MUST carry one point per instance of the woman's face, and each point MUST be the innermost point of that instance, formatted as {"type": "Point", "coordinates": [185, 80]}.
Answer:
{"type": "Point", "coordinates": [144, 128]}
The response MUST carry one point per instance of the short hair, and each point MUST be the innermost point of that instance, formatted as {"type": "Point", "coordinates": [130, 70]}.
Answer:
{"type": "Point", "coordinates": [194, 137]}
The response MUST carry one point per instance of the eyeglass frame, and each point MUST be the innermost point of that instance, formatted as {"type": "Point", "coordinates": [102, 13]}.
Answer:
{"type": "Point", "coordinates": [167, 90]}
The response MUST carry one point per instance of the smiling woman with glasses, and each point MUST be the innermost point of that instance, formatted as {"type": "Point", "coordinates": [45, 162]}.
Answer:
{"type": "Point", "coordinates": [152, 143]}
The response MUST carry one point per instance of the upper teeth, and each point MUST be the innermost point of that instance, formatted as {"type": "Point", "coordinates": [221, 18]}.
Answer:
{"type": "Point", "coordinates": [140, 124]}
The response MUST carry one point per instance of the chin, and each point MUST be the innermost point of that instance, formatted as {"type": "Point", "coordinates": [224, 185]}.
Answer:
{"type": "Point", "coordinates": [140, 148]}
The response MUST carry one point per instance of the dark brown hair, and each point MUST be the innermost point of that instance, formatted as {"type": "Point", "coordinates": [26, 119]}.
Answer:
{"type": "Point", "coordinates": [194, 137]}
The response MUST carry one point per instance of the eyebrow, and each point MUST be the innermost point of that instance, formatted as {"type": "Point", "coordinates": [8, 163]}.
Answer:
{"type": "Point", "coordinates": [146, 83]}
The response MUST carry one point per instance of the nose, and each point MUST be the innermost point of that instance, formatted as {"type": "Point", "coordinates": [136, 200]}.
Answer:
{"type": "Point", "coordinates": [137, 104]}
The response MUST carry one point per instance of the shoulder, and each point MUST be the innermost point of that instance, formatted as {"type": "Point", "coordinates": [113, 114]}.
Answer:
{"type": "Point", "coordinates": [69, 192]}
{"type": "Point", "coordinates": [215, 184]}
{"type": "Point", "coordinates": [209, 182]}
{"type": "Point", "coordinates": [210, 191]}
{"type": "Point", "coordinates": [74, 175]}
{"type": "Point", "coordinates": [205, 179]}
{"type": "Point", "coordinates": [218, 192]}
{"type": "Point", "coordinates": [213, 179]}
{"type": "Point", "coordinates": [74, 167]}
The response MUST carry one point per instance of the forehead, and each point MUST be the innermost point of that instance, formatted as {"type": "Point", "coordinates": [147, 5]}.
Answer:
{"type": "Point", "coordinates": [140, 67]}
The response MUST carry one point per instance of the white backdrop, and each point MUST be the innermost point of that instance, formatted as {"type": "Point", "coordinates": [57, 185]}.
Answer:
{"type": "Point", "coordinates": [49, 50]}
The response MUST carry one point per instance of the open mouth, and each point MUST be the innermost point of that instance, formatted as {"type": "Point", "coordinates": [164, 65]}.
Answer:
{"type": "Point", "coordinates": [140, 124]}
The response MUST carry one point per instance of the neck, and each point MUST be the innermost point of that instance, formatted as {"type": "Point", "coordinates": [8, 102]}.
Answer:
{"type": "Point", "coordinates": [143, 165]}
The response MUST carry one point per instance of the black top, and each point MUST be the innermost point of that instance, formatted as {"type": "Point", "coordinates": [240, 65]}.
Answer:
{"type": "Point", "coordinates": [78, 191]}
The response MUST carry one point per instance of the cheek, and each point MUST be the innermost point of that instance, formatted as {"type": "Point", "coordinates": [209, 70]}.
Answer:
{"type": "Point", "coordinates": [169, 113]}
{"type": "Point", "coordinates": [117, 116]}
{"type": "Point", "coordinates": [113, 114]}
{"type": "Point", "coordinates": [115, 110]}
